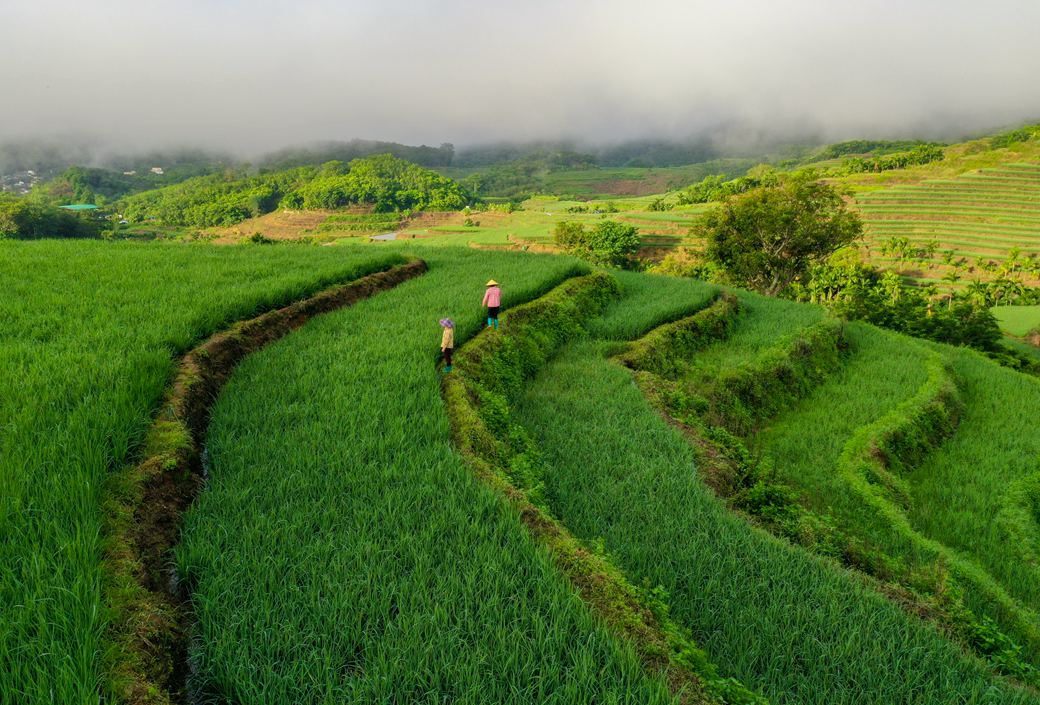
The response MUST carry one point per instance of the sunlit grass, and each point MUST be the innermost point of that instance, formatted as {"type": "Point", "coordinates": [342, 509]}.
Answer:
{"type": "Point", "coordinates": [89, 334]}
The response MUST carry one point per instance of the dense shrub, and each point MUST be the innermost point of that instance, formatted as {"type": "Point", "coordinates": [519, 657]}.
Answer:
{"type": "Point", "coordinates": [22, 219]}
{"type": "Point", "coordinates": [608, 242]}
{"type": "Point", "coordinates": [1006, 139]}
{"type": "Point", "coordinates": [861, 292]}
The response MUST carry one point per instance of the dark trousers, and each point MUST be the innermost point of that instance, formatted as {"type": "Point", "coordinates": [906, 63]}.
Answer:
{"type": "Point", "coordinates": [493, 312]}
{"type": "Point", "coordinates": [446, 353]}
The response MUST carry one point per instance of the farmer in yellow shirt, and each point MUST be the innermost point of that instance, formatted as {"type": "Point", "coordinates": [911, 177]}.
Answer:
{"type": "Point", "coordinates": [447, 342]}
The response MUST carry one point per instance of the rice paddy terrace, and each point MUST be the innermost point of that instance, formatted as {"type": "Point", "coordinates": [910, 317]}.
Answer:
{"type": "Point", "coordinates": [982, 214]}
{"type": "Point", "coordinates": [637, 490]}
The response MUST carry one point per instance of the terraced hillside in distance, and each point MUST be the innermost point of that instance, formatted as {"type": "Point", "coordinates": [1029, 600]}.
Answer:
{"type": "Point", "coordinates": [983, 214]}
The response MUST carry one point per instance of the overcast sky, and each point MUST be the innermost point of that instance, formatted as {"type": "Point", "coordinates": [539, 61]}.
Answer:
{"type": "Point", "coordinates": [254, 75]}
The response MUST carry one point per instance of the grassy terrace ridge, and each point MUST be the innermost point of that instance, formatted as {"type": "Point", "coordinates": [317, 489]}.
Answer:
{"type": "Point", "coordinates": [316, 557]}
{"type": "Point", "coordinates": [797, 627]}
{"type": "Point", "coordinates": [997, 438]}
{"type": "Point", "coordinates": [891, 394]}
{"type": "Point", "coordinates": [151, 619]}
{"type": "Point", "coordinates": [649, 301]}
{"type": "Point", "coordinates": [491, 371]}
{"type": "Point", "coordinates": [90, 334]}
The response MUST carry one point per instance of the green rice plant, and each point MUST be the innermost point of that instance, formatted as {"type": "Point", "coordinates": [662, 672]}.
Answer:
{"type": "Point", "coordinates": [502, 454]}
{"type": "Point", "coordinates": [649, 301]}
{"type": "Point", "coordinates": [759, 325]}
{"type": "Point", "coordinates": [343, 552]}
{"type": "Point", "coordinates": [797, 627]}
{"type": "Point", "coordinates": [840, 463]}
{"type": "Point", "coordinates": [663, 350]}
{"type": "Point", "coordinates": [90, 331]}
{"type": "Point", "coordinates": [997, 440]}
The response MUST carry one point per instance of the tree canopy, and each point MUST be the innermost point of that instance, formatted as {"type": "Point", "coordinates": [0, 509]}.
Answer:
{"type": "Point", "coordinates": [382, 182]}
{"type": "Point", "coordinates": [768, 237]}
{"type": "Point", "coordinates": [608, 242]}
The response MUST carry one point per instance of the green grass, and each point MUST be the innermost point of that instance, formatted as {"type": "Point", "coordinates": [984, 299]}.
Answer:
{"type": "Point", "coordinates": [798, 627]}
{"type": "Point", "coordinates": [90, 330]}
{"type": "Point", "coordinates": [960, 489]}
{"type": "Point", "coordinates": [1018, 320]}
{"type": "Point", "coordinates": [760, 323]}
{"type": "Point", "coordinates": [649, 301]}
{"type": "Point", "coordinates": [344, 553]}
{"type": "Point", "coordinates": [805, 444]}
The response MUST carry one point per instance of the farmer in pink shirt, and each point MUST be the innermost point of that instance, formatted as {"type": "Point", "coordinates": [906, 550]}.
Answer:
{"type": "Point", "coordinates": [492, 299]}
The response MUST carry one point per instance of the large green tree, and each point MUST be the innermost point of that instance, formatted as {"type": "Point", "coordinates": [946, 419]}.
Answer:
{"type": "Point", "coordinates": [767, 238]}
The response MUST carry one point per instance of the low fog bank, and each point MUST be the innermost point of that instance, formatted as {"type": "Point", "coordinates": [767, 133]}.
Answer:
{"type": "Point", "coordinates": [249, 78]}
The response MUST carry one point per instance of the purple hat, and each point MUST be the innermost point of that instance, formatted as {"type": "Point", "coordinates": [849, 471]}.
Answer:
{"type": "Point", "coordinates": [447, 323]}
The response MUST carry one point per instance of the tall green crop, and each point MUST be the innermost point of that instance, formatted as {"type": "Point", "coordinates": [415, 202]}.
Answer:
{"type": "Point", "coordinates": [88, 331]}
{"type": "Point", "coordinates": [798, 627]}
{"type": "Point", "coordinates": [344, 553]}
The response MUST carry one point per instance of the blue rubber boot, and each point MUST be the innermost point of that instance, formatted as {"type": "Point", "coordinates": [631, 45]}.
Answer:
{"type": "Point", "coordinates": [447, 368]}
{"type": "Point", "coordinates": [490, 321]}
{"type": "Point", "coordinates": [496, 324]}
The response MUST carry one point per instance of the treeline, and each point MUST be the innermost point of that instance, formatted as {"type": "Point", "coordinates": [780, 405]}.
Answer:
{"type": "Point", "coordinates": [523, 177]}
{"type": "Point", "coordinates": [99, 186]}
{"type": "Point", "coordinates": [924, 154]}
{"type": "Point", "coordinates": [875, 148]}
{"type": "Point", "coordinates": [717, 187]}
{"type": "Point", "coordinates": [631, 153]}
{"type": "Point", "coordinates": [322, 152]}
{"type": "Point", "coordinates": [24, 219]}
{"type": "Point", "coordinates": [384, 183]}
{"type": "Point", "coordinates": [1022, 134]}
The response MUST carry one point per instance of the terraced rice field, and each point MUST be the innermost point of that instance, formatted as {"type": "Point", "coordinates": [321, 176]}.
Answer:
{"type": "Point", "coordinates": [799, 629]}
{"type": "Point", "coordinates": [90, 330]}
{"type": "Point", "coordinates": [350, 546]}
{"type": "Point", "coordinates": [891, 393]}
{"type": "Point", "coordinates": [984, 213]}
{"type": "Point", "coordinates": [343, 552]}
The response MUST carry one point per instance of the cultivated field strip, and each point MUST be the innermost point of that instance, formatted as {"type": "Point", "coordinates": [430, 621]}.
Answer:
{"type": "Point", "coordinates": [88, 343]}
{"type": "Point", "coordinates": [798, 627]}
{"type": "Point", "coordinates": [998, 439]}
{"type": "Point", "coordinates": [344, 553]}
{"type": "Point", "coordinates": [649, 301]}
{"type": "Point", "coordinates": [144, 502]}
{"type": "Point", "coordinates": [986, 213]}
{"type": "Point", "coordinates": [846, 449]}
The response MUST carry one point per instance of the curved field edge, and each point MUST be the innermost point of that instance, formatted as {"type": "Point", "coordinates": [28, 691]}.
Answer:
{"type": "Point", "coordinates": [90, 336]}
{"type": "Point", "coordinates": [773, 615]}
{"type": "Point", "coordinates": [351, 556]}
{"type": "Point", "coordinates": [146, 657]}
{"type": "Point", "coordinates": [871, 466]}
{"type": "Point", "coordinates": [491, 370]}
